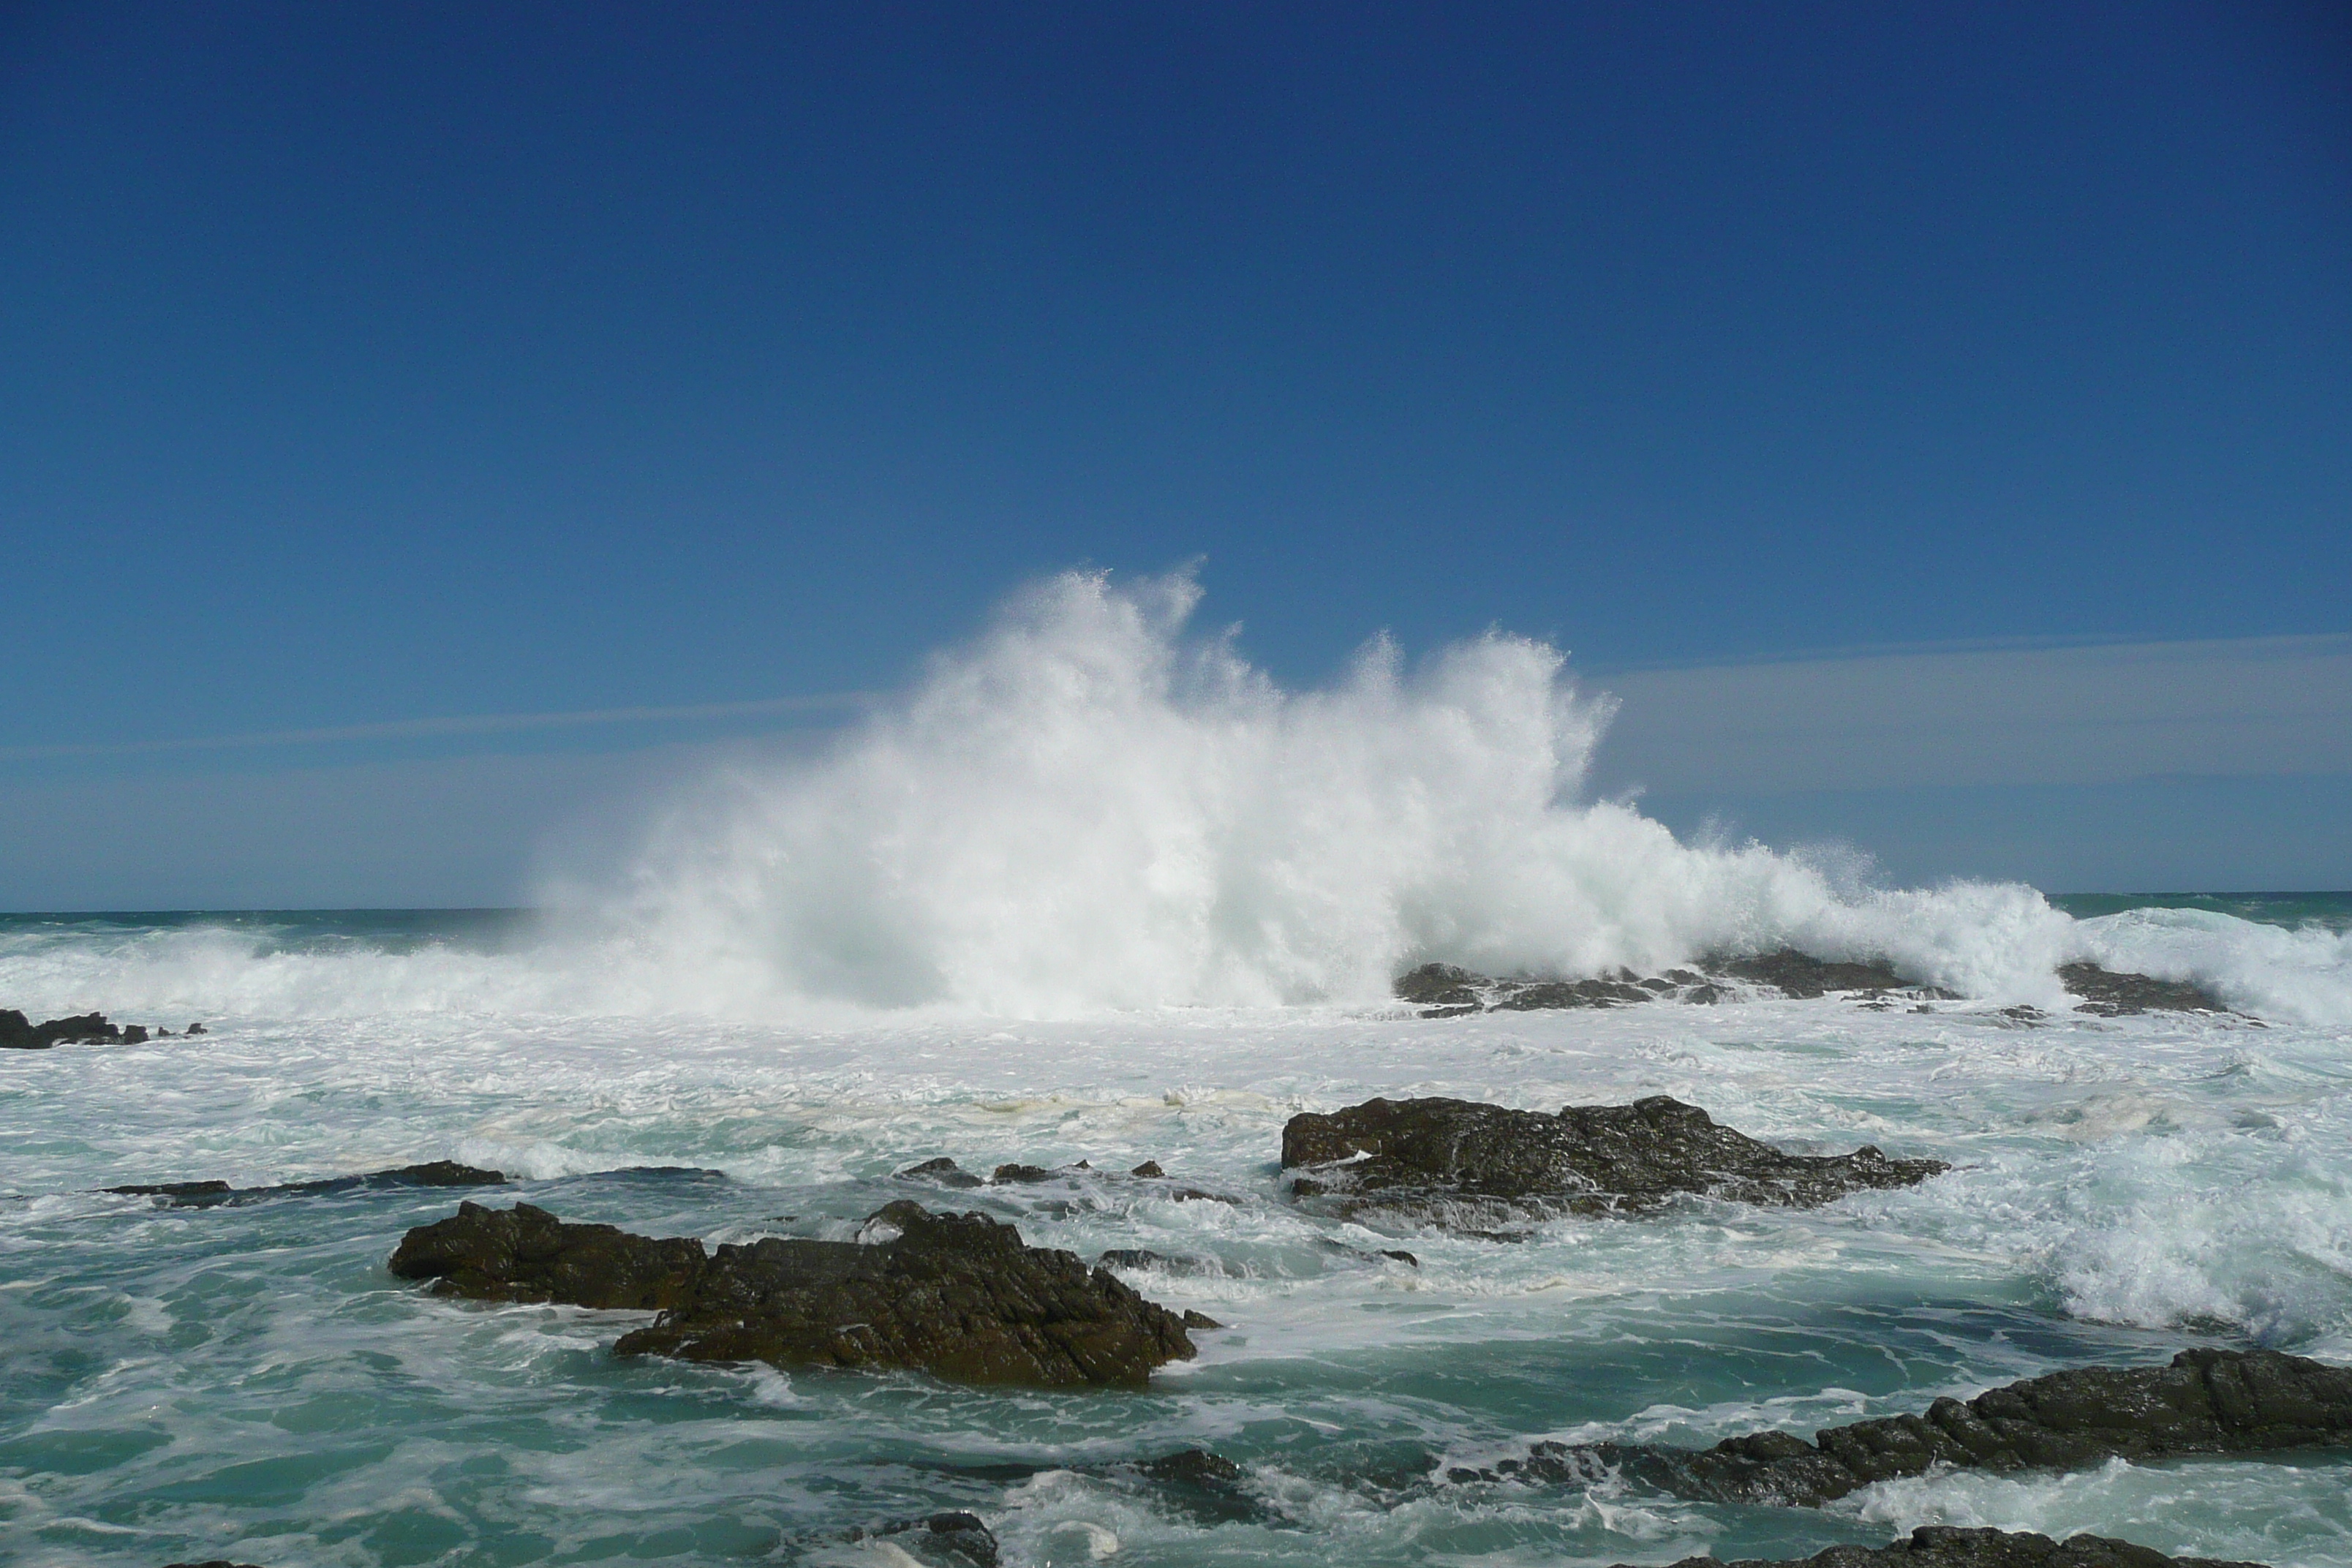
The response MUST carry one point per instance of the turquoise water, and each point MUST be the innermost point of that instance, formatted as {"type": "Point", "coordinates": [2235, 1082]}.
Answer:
{"type": "Point", "coordinates": [249, 1381]}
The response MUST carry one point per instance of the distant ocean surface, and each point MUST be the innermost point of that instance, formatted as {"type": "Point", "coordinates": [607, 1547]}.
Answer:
{"type": "Point", "coordinates": [1098, 891]}
{"type": "Point", "coordinates": [249, 1381]}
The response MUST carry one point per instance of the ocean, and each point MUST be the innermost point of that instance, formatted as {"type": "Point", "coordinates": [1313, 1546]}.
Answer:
{"type": "Point", "coordinates": [1093, 891]}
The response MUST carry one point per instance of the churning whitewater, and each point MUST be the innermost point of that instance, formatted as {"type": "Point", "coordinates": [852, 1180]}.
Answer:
{"type": "Point", "coordinates": [1097, 891]}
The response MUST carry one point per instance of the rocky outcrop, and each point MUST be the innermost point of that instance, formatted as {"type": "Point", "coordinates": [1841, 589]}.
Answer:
{"type": "Point", "coordinates": [1436, 1156]}
{"type": "Point", "coordinates": [526, 1254]}
{"type": "Point", "coordinates": [2204, 1402]}
{"type": "Point", "coordinates": [1794, 974]}
{"type": "Point", "coordinates": [1944, 1546]}
{"type": "Point", "coordinates": [210, 1194]}
{"type": "Point", "coordinates": [1445, 990]}
{"type": "Point", "coordinates": [2117, 993]}
{"type": "Point", "coordinates": [959, 1295]}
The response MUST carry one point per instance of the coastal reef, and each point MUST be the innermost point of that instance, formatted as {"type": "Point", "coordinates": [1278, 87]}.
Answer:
{"type": "Point", "coordinates": [956, 1295]}
{"type": "Point", "coordinates": [1443, 1159]}
{"type": "Point", "coordinates": [1945, 1546]}
{"type": "Point", "coordinates": [213, 1194]}
{"type": "Point", "coordinates": [2204, 1402]}
{"type": "Point", "coordinates": [1446, 990]}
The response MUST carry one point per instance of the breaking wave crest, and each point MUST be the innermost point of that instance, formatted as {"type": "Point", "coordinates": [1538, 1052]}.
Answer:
{"type": "Point", "coordinates": [1087, 808]}
{"type": "Point", "coordinates": [1092, 807]}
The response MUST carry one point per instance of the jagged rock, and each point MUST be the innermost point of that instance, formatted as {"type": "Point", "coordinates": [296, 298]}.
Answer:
{"type": "Point", "coordinates": [1947, 1546]}
{"type": "Point", "coordinates": [2112, 994]}
{"type": "Point", "coordinates": [87, 1028]}
{"type": "Point", "coordinates": [942, 1541]}
{"type": "Point", "coordinates": [210, 1562]}
{"type": "Point", "coordinates": [1795, 973]}
{"type": "Point", "coordinates": [956, 1295]}
{"type": "Point", "coordinates": [1571, 993]}
{"type": "Point", "coordinates": [1019, 1175]}
{"type": "Point", "coordinates": [2204, 1402]}
{"type": "Point", "coordinates": [1433, 1154]}
{"type": "Point", "coordinates": [1150, 1168]}
{"type": "Point", "coordinates": [943, 1171]}
{"type": "Point", "coordinates": [210, 1194]}
{"type": "Point", "coordinates": [526, 1254]}
{"type": "Point", "coordinates": [1207, 1486]}
{"type": "Point", "coordinates": [194, 1029]}
{"type": "Point", "coordinates": [1440, 985]}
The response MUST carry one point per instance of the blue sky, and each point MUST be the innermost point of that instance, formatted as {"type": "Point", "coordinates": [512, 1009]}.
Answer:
{"type": "Point", "coordinates": [366, 368]}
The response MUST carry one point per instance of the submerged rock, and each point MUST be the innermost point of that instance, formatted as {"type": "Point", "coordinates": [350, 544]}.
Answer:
{"type": "Point", "coordinates": [2205, 1402]}
{"type": "Point", "coordinates": [1435, 1156]}
{"type": "Point", "coordinates": [2114, 994]}
{"type": "Point", "coordinates": [1946, 1546]}
{"type": "Point", "coordinates": [942, 1541]}
{"type": "Point", "coordinates": [942, 1172]}
{"type": "Point", "coordinates": [956, 1295]}
{"type": "Point", "coordinates": [210, 1195]}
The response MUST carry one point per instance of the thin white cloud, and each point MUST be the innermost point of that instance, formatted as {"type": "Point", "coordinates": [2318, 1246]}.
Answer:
{"type": "Point", "coordinates": [469, 724]}
{"type": "Point", "coordinates": [2260, 706]}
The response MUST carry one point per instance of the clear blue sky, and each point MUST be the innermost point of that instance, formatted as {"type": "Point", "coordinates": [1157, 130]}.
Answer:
{"type": "Point", "coordinates": [367, 365]}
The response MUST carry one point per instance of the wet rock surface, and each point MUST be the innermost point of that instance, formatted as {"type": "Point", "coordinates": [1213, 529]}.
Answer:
{"type": "Point", "coordinates": [2204, 1402]}
{"type": "Point", "coordinates": [1446, 990]}
{"type": "Point", "coordinates": [2115, 993]}
{"type": "Point", "coordinates": [526, 1254]}
{"type": "Point", "coordinates": [19, 1034]}
{"type": "Point", "coordinates": [942, 1541]}
{"type": "Point", "coordinates": [1945, 1546]}
{"type": "Point", "coordinates": [210, 1194]}
{"type": "Point", "coordinates": [1438, 1155]}
{"type": "Point", "coordinates": [959, 1295]}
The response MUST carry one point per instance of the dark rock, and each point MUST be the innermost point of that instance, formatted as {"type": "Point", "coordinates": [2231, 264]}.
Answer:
{"type": "Point", "coordinates": [1706, 994]}
{"type": "Point", "coordinates": [1193, 1320]}
{"type": "Point", "coordinates": [210, 1194]}
{"type": "Point", "coordinates": [134, 1034]}
{"type": "Point", "coordinates": [1549, 994]}
{"type": "Point", "coordinates": [1593, 1159]}
{"type": "Point", "coordinates": [1946, 1546]}
{"type": "Point", "coordinates": [194, 1029]}
{"type": "Point", "coordinates": [1439, 985]}
{"type": "Point", "coordinates": [1209, 1486]}
{"type": "Point", "coordinates": [942, 1541]}
{"type": "Point", "coordinates": [1021, 1174]}
{"type": "Point", "coordinates": [210, 1562]}
{"type": "Point", "coordinates": [2113, 994]}
{"type": "Point", "coordinates": [526, 1254]}
{"type": "Point", "coordinates": [1148, 1168]}
{"type": "Point", "coordinates": [943, 1172]}
{"type": "Point", "coordinates": [1194, 1467]}
{"type": "Point", "coordinates": [2205, 1402]}
{"type": "Point", "coordinates": [87, 1028]}
{"type": "Point", "coordinates": [2021, 1017]}
{"type": "Point", "coordinates": [1795, 973]}
{"type": "Point", "coordinates": [956, 1295]}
